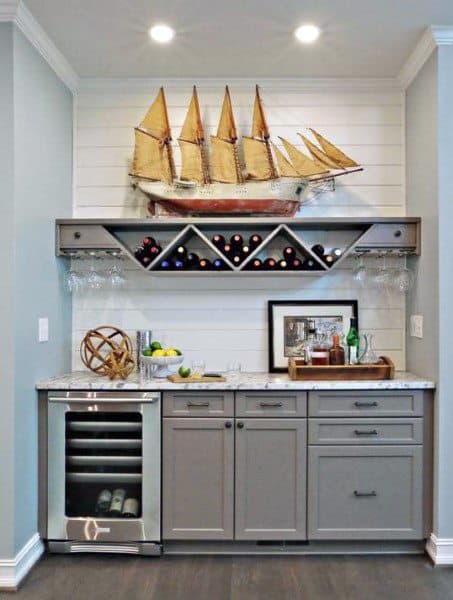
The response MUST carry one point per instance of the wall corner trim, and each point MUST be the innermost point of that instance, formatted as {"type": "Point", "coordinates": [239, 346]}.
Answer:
{"type": "Point", "coordinates": [16, 12]}
{"type": "Point", "coordinates": [440, 550]}
{"type": "Point", "coordinates": [433, 36]}
{"type": "Point", "coordinates": [13, 570]}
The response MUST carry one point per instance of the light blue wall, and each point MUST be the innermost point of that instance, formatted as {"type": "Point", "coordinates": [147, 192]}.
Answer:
{"type": "Point", "coordinates": [38, 174]}
{"type": "Point", "coordinates": [6, 290]}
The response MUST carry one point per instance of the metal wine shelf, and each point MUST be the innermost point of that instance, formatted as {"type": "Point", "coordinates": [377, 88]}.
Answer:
{"type": "Point", "coordinates": [99, 237]}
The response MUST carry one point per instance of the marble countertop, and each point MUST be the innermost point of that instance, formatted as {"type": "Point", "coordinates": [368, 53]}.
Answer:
{"type": "Point", "coordinates": [84, 380]}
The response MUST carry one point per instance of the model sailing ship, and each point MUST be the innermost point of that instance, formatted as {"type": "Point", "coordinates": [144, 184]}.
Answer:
{"type": "Point", "coordinates": [220, 185]}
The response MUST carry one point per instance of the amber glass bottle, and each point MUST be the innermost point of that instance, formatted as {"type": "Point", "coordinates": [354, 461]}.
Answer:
{"type": "Point", "coordinates": [336, 353]}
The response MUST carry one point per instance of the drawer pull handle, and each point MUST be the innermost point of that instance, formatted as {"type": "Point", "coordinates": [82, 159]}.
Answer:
{"type": "Point", "coordinates": [371, 494]}
{"type": "Point", "coordinates": [201, 403]}
{"type": "Point", "coordinates": [369, 432]}
{"type": "Point", "coordinates": [276, 404]}
{"type": "Point", "coordinates": [365, 404]}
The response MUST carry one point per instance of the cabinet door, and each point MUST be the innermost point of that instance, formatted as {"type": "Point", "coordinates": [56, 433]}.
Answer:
{"type": "Point", "coordinates": [198, 479]}
{"type": "Point", "coordinates": [369, 492]}
{"type": "Point", "coordinates": [270, 479]}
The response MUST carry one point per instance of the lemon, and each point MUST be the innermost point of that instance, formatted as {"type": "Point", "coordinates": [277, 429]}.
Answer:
{"type": "Point", "coordinates": [178, 352]}
{"type": "Point", "coordinates": [147, 352]}
{"type": "Point", "coordinates": [184, 371]}
{"type": "Point", "coordinates": [156, 346]}
{"type": "Point", "coordinates": [171, 352]}
{"type": "Point", "coordinates": [159, 352]}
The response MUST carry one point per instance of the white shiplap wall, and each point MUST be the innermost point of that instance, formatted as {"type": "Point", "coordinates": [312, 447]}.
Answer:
{"type": "Point", "coordinates": [221, 319]}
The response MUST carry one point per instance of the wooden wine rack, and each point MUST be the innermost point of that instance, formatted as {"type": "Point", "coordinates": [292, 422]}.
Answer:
{"type": "Point", "coordinates": [353, 235]}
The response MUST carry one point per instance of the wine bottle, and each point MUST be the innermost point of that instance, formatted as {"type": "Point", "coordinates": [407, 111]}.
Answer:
{"type": "Point", "coordinates": [245, 251]}
{"type": "Point", "coordinates": [178, 263]}
{"type": "Point", "coordinates": [130, 508]}
{"type": "Point", "coordinates": [310, 265]}
{"type": "Point", "coordinates": [236, 240]}
{"type": "Point", "coordinates": [192, 259]}
{"type": "Point", "coordinates": [218, 240]}
{"type": "Point", "coordinates": [146, 260]}
{"type": "Point", "coordinates": [227, 249]}
{"type": "Point", "coordinates": [255, 240]}
{"type": "Point", "coordinates": [289, 252]}
{"type": "Point", "coordinates": [336, 252]}
{"type": "Point", "coordinates": [149, 241]}
{"type": "Point", "coordinates": [181, 252]}
{"type": "Point", "coordinates": [256, 264]}
{"type": "Point", "coordinates": [352, 341]}
{"type": "Point", "coordinates": [139, 253]}
{"type": "Point", "coordinates": [103, 501]}
{"type": "Point", "coordinates": [336, 352]}
{"type": "Point", "coordinates": [165, 264]}
{"type": "Point", "coordinates": [318, 249]}
{"type": "Point", "coordinates": [116, 504]}
{"type": "Point", "coordinates": [296, 263]}
{"type": "Point", "coordinates": [154, 251]}
{"type": "Point", "coordinates": [218, 264]}
{"type": "Point", "coordinates": [270, 264]}
{"type": "Point", "coordinates": [328, 259]}
{"type": "Point", "coordinates": [283, 264]}
{"type": "Point", "coordinates": [236, 259]}
{"type": "Point", "coordinates": [204, 264]}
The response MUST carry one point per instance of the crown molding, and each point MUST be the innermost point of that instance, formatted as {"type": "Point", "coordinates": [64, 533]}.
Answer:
{"type": "Point", "coordinates": [16, 12]}
{"type": "Point", "coordinates": [87, 84]}
{"type": "Point", "coordinates": [433, 36]}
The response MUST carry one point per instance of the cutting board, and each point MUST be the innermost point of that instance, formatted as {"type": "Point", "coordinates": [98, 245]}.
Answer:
{"type": "Point", "coordinates": [179, 379]}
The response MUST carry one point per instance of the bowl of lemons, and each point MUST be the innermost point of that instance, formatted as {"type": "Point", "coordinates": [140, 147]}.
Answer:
{"type": "Point", "coordinates": [163, 360]}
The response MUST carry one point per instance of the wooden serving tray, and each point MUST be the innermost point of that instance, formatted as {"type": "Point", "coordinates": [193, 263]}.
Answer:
{"type": "Point", "coordinates": [384, 370]}
{"type": "Point", "coordinates": [179, 379]}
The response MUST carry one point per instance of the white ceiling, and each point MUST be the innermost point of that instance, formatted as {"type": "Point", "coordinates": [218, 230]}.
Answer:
{"type": "Point", "coordinates": [238, 38]}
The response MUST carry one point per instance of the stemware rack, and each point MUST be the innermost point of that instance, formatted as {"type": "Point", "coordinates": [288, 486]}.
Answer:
{"type": "Point", "coordinates": [101, 237]}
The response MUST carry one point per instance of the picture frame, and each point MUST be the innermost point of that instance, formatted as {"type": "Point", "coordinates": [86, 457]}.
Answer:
{"type": "Point", "coordinates": [287, 325]}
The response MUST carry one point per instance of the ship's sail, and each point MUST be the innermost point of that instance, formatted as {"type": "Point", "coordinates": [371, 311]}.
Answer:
{"type": "Point", "coordinates": [285, 167]}
{"type": "Point", "coordinates": [319, 156]}
{"type": "Point", "coordinates": [153, 157]}
{"type": "Point", "coordinates": [305, 167]}
{"type": "Point", "coordinates": [333, 152]}
{"type": "Point", "coordinates": [225, 165]}
{"type": "Point", "coordinates": [257, 152]}
{"type": "Point", "coordinates": [191, 141]}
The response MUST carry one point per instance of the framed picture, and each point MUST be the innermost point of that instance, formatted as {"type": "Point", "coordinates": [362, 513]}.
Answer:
{"type": "Point", "coordinates": [288, 325]}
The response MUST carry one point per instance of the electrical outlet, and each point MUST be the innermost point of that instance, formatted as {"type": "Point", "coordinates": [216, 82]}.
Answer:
{"type": "Point", "coordinates": [43, 329]}
{"type": "Point", "coordinates": [416, 326]}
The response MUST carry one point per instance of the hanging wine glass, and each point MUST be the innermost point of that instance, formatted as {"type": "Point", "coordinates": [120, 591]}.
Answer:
{"type": "Point", "coordinates": [116, 278]}
{"type": "Point", "coordinates": [74, 279]}
{"type": "Point", "coordinates": [381, 275]}
{"type": "Point", "coordinates": [404, 278]}
{"type": "Point", "coordinates": [359, 272]}
{"type": "Point", "coordinates": [95, 280]}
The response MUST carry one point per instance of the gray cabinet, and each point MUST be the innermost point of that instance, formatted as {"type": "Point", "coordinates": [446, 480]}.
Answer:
{"type": "Point", "coordinates": [198, 479]}
{"type": "Point", "coordinates": [270, 479]}
{"type": "Point", "coordinates": [368, 492]}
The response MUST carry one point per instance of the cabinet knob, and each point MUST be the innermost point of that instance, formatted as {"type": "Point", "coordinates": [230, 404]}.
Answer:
{"type": "Point", "coordinates": [77, 235]}
{"type": "Point", "coordinates": [398, 233]}
{"type": "Point", "coordinates": [228, 424]}
{"type": "Point", "coordinates": [240, 425]}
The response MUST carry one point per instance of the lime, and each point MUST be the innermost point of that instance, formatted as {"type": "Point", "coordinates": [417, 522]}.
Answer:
{"type": "Point", "coordinates": [184, 371]}
{"type": "Point", "coordinates": [156, 346]}
{"type": "Point", "coordinates": [147, 352]}
{"type": "Point", "coordinates": [178, 352]}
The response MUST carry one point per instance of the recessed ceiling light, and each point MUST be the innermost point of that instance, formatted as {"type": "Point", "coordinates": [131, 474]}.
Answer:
{"type": "Point", "coordinates": [161, 34]}
{"type": "Point", "coordinates": [307, 34]}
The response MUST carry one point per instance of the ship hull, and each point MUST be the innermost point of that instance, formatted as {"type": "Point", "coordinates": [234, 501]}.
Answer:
{"type": "Point", "coordinates": [271, 198]}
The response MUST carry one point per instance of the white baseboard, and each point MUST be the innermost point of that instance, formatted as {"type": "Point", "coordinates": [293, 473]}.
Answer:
{"type": "Point", "coordinates": [440, 550]}
{"type": "Point", "coordinates": [13, 570]}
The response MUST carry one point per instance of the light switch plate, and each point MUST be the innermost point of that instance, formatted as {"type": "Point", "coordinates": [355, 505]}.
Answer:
{"type": "Point", "coordinates": [43, 329]}
{"type": "Point", "coordinates": [416, 326]}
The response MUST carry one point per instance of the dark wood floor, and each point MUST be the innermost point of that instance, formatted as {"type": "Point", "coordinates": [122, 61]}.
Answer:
{"type": "Point", "coordinates": [59, 577]}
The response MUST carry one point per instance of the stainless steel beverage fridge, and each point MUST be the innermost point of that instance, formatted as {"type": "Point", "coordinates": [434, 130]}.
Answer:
{"type": "Point", "coordinates": [103, 472]}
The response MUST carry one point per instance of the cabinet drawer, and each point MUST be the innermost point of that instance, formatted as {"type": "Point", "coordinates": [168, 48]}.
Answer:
{"type": "Point", "coordinates": [271, 404]}
{"type": "Point", "coordinates": [365, 492]}
{"type": "Point", "coordinates": [198, 404]}
{"type": "Point", "coordinates": [365, 431]}
{"type": "Point", "coordinates": [382, 235]}
{"type": "Point", "coordinates": [404, 403]}
{"type": "Point", "coordinates": [85, 236]}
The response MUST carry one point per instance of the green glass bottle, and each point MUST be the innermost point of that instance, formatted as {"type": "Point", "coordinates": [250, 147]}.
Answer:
{"type": "Point", "coordinates": [352, 341]}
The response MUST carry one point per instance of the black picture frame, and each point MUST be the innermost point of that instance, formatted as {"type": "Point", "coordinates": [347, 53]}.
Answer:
{"type": "Point", "coordinates": [353, 304]}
